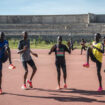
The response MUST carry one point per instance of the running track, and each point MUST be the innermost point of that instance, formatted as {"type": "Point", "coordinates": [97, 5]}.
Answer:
{"type": "Point", "coordinates": [82, 82]}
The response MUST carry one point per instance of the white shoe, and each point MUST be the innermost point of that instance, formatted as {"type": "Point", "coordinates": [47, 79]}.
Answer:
{"type": "Point", "coordinates": [11, 66]}
{"type": "Point", "coordinates": [24, 87]}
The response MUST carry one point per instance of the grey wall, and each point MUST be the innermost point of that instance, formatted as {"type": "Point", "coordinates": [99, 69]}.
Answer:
{"type": "Point", "coordinates": [92, 18]}
{"type": "Point", "coordinates": [100, 18]}
{"type": "Point", "coordinates": [44, 19]}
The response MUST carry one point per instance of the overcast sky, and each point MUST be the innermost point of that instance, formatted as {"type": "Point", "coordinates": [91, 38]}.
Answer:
{"type": "Point", "coordinates": [51, 7]}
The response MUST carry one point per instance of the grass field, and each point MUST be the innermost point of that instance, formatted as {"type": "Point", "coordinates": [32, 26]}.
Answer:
{"type": "Point", "coordinates": [39, 44]}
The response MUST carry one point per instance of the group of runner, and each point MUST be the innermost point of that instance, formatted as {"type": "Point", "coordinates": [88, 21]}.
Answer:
{"type": "Point", "coordinates": [95, 52]}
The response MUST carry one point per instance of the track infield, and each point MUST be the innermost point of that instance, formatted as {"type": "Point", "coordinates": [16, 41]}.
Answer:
{"type": "Point", "coordinates": [82, 82]}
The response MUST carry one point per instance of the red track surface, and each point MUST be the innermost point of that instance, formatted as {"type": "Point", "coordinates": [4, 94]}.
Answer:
{"type": "Point", "coordinates": [82, 82]}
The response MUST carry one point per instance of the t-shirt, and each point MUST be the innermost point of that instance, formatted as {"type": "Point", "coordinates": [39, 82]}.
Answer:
{"type": "Point", "coordinates": [60, 52]}
{"type": "Point", "coordinates": [25, 56]}
{"type": "Point", "coordinates": [3, 45]}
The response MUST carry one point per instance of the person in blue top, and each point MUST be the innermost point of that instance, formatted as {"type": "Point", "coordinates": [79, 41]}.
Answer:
{"type": "Point", "coordinates": [4, 55]}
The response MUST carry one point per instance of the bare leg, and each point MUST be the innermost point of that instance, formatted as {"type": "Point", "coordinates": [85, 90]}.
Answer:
{"type": "Point", "coordinates": [9, 55]}
{"type": "Point", "coordinates": [89, 51]}
{"type": "Point", "coordinates": [0, 74]}
{"type": "Point", "coordinates": [25, 76]}
{"type": "Point", "coordinates": [33, 73]}
{"type": "Point", "coordinates": [98, 65]}
{"type": "Point", "coordinates": [0, 78]}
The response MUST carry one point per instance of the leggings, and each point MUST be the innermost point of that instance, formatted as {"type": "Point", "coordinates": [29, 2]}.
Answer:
{"type": "Point", "coordinates": [63, 66]}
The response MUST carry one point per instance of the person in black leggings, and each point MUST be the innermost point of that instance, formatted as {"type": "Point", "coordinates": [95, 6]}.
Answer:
{"type": "Point", "coordinates": [60, 62]}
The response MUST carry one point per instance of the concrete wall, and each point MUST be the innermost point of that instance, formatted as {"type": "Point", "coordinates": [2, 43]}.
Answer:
{"type": "Point", "coordinates": [96, 18]}
{"type": "Point", "coordinates": [44, 19]}
{"type": "Point", "coordinates": [52, 19]}
{"type": "Point", "coordinates": [91, 18]}
{"type": "Point", "coordinates": [100, 18]}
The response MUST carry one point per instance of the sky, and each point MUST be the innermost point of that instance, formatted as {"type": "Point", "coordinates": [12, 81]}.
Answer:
{"type": "Point", "coordinates": [51, 7]}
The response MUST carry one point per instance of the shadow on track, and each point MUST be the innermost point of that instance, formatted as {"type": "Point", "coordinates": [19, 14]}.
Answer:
{"type": "Point", "coordinates": [65, 98]}
{"type": "Point", "coordinates": [72, 90]}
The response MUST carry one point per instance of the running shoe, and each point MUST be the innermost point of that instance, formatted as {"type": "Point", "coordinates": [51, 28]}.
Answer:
{"type": "Point", "coordinates": [65, 86]}
{"type": "Point", "coordinates": [86, 65]}
{"type": "Point", "coordinates": [0, 91]}
{"type": "Point", "coordinates": [58, 88]}
{"type": "Point", "coordinates": [29, 83]}
{"type": "Point", "coordinates": [100, 89]}
{"type": "Point", "coordinates": [11, 66]}
{"type": "Point", "coordinates": [24, 87]}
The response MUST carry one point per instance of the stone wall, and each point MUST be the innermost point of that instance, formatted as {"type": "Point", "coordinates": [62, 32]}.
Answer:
{"type": "Point", "coordinates": [100, 18]}
{"type": "Point", "coordinates": [93, 18]}
{"type": "Point", "coordinates": [44, 19]}
{"type": "Point", "coordinates": [52, 19]}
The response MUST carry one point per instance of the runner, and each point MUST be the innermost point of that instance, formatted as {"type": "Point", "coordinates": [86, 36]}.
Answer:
{"type": "Point", "coordinates": [24, 51]}
{"type": "Point", "coordinates": [96, 54]}
{"type": "Point", "coordinates": [83, 45]}
{"type": "Point", "coordinates": [5, 53]}
{"type": "Point", "coordinates": [60, 50]}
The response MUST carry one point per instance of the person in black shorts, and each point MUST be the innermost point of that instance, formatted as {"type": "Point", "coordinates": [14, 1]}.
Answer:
{"type": "Point", "coordinates": [60, 62]}
{"type": "Point", "coordinates": [83, 45]}
{"type": "Point", "coordinates": [24, 51]}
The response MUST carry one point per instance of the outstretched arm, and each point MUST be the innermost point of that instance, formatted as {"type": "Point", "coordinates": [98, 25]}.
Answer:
{"type": "Point", "coordinates": [69, 47]}
{"type": "Point", "coordinates": [22, 50]}
{"type": "Point", "coordinates": [52, 49]}
{"type": "Point", "coordinates": [35, 54]}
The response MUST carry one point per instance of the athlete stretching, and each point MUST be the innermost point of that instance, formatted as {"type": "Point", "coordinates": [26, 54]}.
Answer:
{"type": "Point", "coordinates": [24, 51]}
{"type": "Point", "coordinates": [96, 54]}
{"type": "Point", "coordinates": [5, 53]}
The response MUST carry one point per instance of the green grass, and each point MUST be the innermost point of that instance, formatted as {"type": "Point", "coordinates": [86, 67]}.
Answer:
{"type": "Point", "coordinates": [33, 44]}
{"type": "Point", "coordinates": [13, 43]}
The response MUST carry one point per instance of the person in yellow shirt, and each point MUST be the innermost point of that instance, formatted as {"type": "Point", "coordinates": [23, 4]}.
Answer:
{"type": "Point", "coordinates": [96, 53]}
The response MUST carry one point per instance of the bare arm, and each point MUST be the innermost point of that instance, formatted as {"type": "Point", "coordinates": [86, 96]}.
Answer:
{"type": "Point", "coordinates": [23, 50]}
{"type": "Point", "coordinates": [51, 50]}
{"type": "Point", "coordinates": [68, 49]}
{"type": "Point", "coordinates": [35, 54]}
